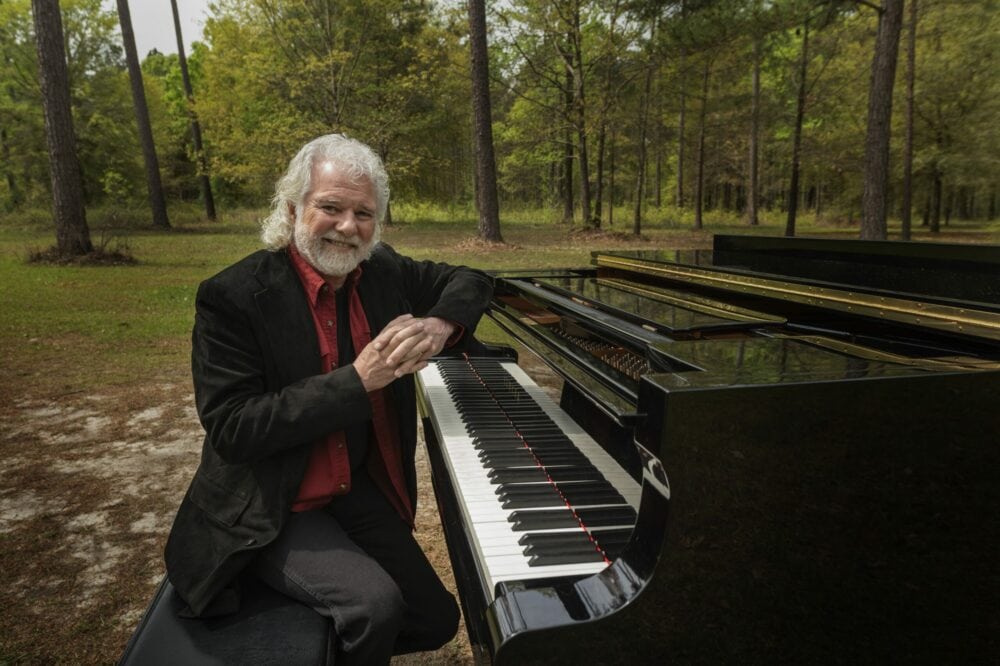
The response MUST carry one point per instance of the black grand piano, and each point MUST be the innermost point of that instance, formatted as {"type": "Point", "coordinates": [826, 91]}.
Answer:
{"type": "Point", "coordinates": [776, 451]}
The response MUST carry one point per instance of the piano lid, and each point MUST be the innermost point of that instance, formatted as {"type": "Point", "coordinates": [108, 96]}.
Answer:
{"type": "Point", "coordinates": [954, 289]}
{"type": "Point", "coordinates": [933, 270]}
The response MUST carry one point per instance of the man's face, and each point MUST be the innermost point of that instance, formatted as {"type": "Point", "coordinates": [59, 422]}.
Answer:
{"type": "Point", "coordinates": [335, 228]}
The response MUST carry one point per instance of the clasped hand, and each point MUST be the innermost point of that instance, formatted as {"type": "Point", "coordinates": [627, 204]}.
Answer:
{"type": "Point", "coordinates": [403, 347]}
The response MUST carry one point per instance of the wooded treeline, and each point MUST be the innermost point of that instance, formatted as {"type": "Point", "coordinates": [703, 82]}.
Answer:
{"type": "Point", "coordinates": [598, 105]}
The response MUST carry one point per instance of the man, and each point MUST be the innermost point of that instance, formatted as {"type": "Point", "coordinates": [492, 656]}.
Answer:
{"type": "Point", "coordinates": [303, 360]}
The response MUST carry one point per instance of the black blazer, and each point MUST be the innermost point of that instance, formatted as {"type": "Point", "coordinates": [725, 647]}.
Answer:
{"type": "Point", "coordinates": [264, 402]}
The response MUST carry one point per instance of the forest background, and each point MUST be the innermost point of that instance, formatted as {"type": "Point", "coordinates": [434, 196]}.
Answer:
{"type": "Point", "coordinates": [607, 112]}
{"type": "Point", "coordinates": [615, 124]}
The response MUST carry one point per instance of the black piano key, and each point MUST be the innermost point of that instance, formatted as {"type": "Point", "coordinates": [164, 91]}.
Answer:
{"type": "Point", "coordinates": [546, 494]}
{"type": "Point", "coordinates": [590, 492]}
{"type": "Point", "coordinates": [542, 520]}
{"type": "Point", "coordinates": [582, 546]}
{"type": "Point", "coordinates": [545, 519]}
{"type": "Point", "coordinates": [595, 496]}
{"type": "Point", "coordinates": [526, 457]}
{"type": "Point", "coordinates": [559, 457]}
{"type": "Point", "coordinates": [577, 536]}
{"type": "Point", "coordinates": [524, 502]}
{"type": "Point", "coordinates": [517, 475]}
{"type": "Point", "coordinates": [511, 490]}
{"type": "Point", "coordinates": [528, 474]}
{"type": "Point", "coordinates": [498, 450]}
{"type": "Point", "coordinates": [612, 538]}
{"type": "Point", "coordinates": [593, 555]}
{"type": "Point", "coordinates": [501, 443]}
{"type": "Point", "coordinates": [611, 515]}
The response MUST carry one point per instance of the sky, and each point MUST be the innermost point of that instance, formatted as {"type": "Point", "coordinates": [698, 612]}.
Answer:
{"type": "Point", "coordinates": [153, 24]}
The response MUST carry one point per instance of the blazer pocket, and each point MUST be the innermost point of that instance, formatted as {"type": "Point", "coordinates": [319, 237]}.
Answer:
{"type": "Point", "coordinates": [220, 503]}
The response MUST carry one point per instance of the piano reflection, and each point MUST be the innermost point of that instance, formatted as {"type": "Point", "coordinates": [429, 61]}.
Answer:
{"type": "Point", "coordinates": [779, 450]}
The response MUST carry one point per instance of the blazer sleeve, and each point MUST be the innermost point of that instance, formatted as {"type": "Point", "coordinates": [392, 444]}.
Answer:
{"type": "Point", "coordinates": [456, 293]}
{"type": "Point", "coordinates": [246, 414]}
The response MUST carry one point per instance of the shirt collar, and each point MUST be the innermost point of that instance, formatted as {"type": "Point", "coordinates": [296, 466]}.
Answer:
{"type": "Point", "coordinates": [312, 280]}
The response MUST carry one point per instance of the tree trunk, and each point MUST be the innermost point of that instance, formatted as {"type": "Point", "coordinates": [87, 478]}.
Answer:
{"type": "Point", "coordinates": [486, 182]}
{"type": "Point", "coordinates": [599, 180]}
{"type": "Point", "coordinates": [936, 201]}
{"type": "Point", "coordinates": [199, 153]}
{"type": "Point", "coordinates": [156, 200]}
{"type": "Point", "coordinates": [800, 111]}
{"type": "Point", "coordinates": [602, 121]}
{"type": "Point", "coordinates": [568, 153]}
{"type": "Point", "coordinates": [72, 234]}
{"type": "Point", "coordinates": [754, 177]}
{"type": "Point", "coordinates": [874, 197]}
{"type": "Point", "coordinates": [907, 206]}
{"type": "Point", "coordinates": [682, 112]}
{"type": "Point", "coordinates": [702, 118]}
{"type": "Point", "coordinates": [580, 120]}
{"type": "Point", "coordinates": [640, 178]}
{"type": "Point", "coordinates": [611, 184]}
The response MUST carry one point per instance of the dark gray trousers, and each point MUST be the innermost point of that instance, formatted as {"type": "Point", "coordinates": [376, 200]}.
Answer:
{"type": "Point", "coordinates": [356, 562]}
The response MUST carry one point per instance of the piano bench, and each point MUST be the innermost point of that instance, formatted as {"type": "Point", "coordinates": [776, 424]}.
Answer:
{"type": "Point", "coordinates": [268, 629]}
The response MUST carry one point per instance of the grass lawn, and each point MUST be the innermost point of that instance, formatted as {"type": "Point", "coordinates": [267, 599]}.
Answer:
{"type": "Point", "coordinates": [99, 436]}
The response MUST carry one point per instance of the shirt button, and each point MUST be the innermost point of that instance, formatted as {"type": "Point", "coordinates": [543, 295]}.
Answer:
{"type": "Point", "coordinates": [343, 486]}
{"type": "Point", "coordinates": [340, 446]}
{"type": "Point", "coordinates": [329, 322]}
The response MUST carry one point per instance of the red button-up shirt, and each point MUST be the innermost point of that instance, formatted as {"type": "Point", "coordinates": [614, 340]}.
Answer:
{"type": "Point", "coordinates": [329, 470]}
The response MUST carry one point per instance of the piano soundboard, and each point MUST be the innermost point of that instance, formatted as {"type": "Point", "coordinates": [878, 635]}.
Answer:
{"type": "Point", "coordinates": [539, 496]}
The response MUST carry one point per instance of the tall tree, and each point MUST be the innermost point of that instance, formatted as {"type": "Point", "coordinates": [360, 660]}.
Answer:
{"type": "Point", "coordinates": [199, 152]}
{"type": "Point", "coordinates": [72, 233]}
{"type": "Point", "coordinates": [640, 173]}
{"type": "Point", "coordinates": [681, 115]}
{"type": "Point", "coordinates": [699, 185]}
{"type": "Point", "coordinates": [568, 153]}
{"type": "Point", "coordinates": [157, 201]}
{"type": "Point", "coordinates": [572, 54]}
{"type": "Point", "coordinates": [486, 170]}
{"type": "Point", "coordinates": [753, 176]}
{"type": "Point", "coordinates": [874, 198]}
{"type": "Point", "coordinates": [911, 65]}
{"type": "Point", "coordinates": [800, 109]}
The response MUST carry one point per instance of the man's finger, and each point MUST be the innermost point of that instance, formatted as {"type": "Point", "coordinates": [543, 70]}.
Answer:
{"type": "Point", "coordinates": [384, 339]}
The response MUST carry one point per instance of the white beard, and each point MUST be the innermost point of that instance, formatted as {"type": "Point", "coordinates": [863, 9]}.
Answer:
{"type": "Point", "coordinates": [329, 260]}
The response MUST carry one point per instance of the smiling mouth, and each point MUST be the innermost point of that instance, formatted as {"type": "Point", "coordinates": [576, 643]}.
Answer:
{"type": "Point", "coordinates": [340, 243]}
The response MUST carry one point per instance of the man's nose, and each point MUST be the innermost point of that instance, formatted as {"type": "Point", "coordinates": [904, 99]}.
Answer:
{"type": "Point", "coordinates": [347, 223]}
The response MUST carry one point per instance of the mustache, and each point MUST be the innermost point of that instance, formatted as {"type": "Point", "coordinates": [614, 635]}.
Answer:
{"type": "Point", "coordinates": [340, 238]}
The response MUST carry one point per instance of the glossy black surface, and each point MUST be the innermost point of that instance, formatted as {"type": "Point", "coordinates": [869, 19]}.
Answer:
{"type": "Point", "coordinates": [939, 271]}
{"type": "Point", "coordinates": [851, 523]}
{"type": "Point", "coordinates": [763, 360]}
{"type": "Point", "coordinates": [807, 497]}
{"type": "Point", "coordinates": [670, 318]}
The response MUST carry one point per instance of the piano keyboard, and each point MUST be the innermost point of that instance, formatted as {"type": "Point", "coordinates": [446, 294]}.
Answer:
{"type": "Point", "coordinates": [540, 498]}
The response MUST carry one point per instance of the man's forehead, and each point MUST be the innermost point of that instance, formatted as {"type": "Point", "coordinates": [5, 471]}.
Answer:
{"type": "Point", "coordinates": [328, 172]}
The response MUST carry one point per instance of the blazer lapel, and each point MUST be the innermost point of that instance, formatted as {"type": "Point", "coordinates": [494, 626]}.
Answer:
{"type": "Point", "coordinates": [285, 315]}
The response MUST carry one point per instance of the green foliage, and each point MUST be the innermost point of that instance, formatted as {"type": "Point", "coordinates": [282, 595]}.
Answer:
{"type": "Point", "coordinates": [271, 75]}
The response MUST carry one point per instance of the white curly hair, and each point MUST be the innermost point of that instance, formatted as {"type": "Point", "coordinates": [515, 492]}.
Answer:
{"type": "Point", "coordinates": [354, 157]}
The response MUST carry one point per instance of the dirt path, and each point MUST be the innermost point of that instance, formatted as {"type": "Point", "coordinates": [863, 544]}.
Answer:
{"type": "Point", "coordinates": [89, 484]}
